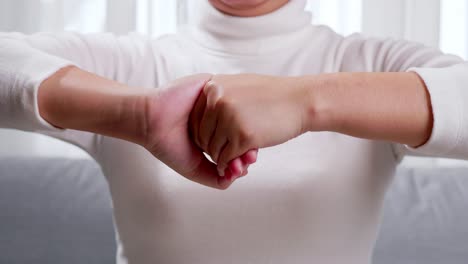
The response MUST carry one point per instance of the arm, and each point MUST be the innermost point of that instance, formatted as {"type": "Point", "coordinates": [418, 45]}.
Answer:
{"type": "Point", "coordinates": [42, 90]}
{"type": "Point", "coordinates": [27, 60]}
{"type": "Point", "coordinates": [418, 103]}
{"type": "Point", "coordinates": [76, 99]}
{"type": "Point", "coordinates": [381, 106]}
{"type": "Point", "coordinates": [394, 107]}
{"type": "Point", "coordinates": [444, 76]}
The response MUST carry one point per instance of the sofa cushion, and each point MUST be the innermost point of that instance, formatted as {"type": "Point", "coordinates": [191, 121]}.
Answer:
{"type": "Point", "coordinates": [59, 211]}
{"type": "Point", "coordinates": [54, 211]}
{"type": "Point", "coordinates": [425, 218]}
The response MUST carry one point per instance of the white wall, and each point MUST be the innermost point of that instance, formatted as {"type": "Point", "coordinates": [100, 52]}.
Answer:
{"type": "Point", "coordinates": [344, 16]}
{"type": "Point", "coordinates": [416, 20]}
{"type": "Point", "coordinates": [454, 27]}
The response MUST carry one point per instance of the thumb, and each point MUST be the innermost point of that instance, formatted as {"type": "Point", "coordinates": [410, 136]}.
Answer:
{"type": "Point", "coordinates": [179, 96]}
{"type": "Point", "coordinates": [189, 87]}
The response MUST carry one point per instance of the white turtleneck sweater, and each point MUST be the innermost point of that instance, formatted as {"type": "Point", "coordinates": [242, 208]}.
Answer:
{"type": "Point", "coordinates": [315, 199]}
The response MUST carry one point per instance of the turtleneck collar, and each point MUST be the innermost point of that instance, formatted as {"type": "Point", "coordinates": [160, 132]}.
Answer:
{"type": "Point", "coordinates": [212, 27]}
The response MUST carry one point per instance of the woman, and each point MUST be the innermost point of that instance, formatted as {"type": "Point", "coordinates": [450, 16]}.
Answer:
{"type": "Point", "coordinates": [314, 199]}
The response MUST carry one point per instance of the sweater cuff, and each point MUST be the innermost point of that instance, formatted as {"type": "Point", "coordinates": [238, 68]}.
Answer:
{"type": "Point", "coordinates": [443, 85]}
{"type": "Point", "coordinates": [38, 71]}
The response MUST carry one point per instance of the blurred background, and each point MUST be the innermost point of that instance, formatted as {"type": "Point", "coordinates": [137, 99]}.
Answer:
{"type": "Point", "coordinates": [438, 23]}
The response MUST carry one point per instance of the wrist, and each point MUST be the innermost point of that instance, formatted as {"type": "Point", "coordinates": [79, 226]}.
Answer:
{"type": "Point", "coordinates": [75, 99]}
{"type": "Point", "coordinates": [152, 110]}
{"type": "Point", "coordinates": [132, 113]}
{"type": "Point", "coordinates": [47, 97]}
{"type": "Point", "coordinates": [317, 102]}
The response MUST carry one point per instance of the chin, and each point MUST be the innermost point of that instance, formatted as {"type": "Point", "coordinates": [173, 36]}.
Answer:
{"type": "Point", "coordinates": [239, 4]}
{"type": "Point", "coordinates": [247, 8]}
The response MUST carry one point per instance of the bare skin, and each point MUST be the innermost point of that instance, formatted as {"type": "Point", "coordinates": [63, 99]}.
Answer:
{"type": "Point", "coordinates": [226, 121]}
{"type": "Point", "coordinates": [237, 113]}
{"type": "Point", "coordinates": [247, 8]}
{"type": "Point", "coordinates": [70, 99]}
{"type": "Point", "coordinates": [76, 99]}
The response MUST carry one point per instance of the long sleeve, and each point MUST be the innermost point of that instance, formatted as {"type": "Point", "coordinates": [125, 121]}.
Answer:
{"type": "Point", "coordinates": [448, 89]}
{"type": "Point", "coordinates": [26, 61]}
{"type": "Point", "coordinates": [446, 78]}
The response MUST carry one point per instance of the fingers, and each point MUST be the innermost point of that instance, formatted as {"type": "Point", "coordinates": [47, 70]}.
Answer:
{"type": "Point", "coordinates": [195, 118]}
{"type": "Point", "coordinates": [223, 151]}
{"type": "Point", "coordinates": [229, 152]}
{"type": "Point", "coordinates": [246, 171]}
{"type": "Point", "coordinates": [210, 126]}
{"type": "Point", "coordinates": [219, 138]}
{"type": "Point", "coordinates": [208, 121]}
{"type": "Point", "coordinates": [236, 169]}
{"type": "Point", "coordinates": [250, 157]}
{"type": "Point", "coordinates": [205, 173]}
{"type": "Point", "coordinates": [221, 169]}
{"type": "Point", "coordinates": [237, 166]}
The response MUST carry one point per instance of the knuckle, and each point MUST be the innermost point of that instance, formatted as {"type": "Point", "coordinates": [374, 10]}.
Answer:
{"type": "Point", "coordinates": [227, 112]}
{"type": "Point", "coordinates": [246, 137]}
{"type": "Point", "coordinates": [227, 157]}
{"type": "Point", "coordinates": [209, 86]}
{"type": "Point", "coordinates": [212, 88]}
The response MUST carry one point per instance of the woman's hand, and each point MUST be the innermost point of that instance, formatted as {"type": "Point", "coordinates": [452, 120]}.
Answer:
{"type": "Point", "coordinates": [157, 120]}
{"type": "Point", "coordinates": [241, 112]}
{"type": "Point", "coordinates": [167, 137]}
{"type": "Point", "coordinates": [238, 113]}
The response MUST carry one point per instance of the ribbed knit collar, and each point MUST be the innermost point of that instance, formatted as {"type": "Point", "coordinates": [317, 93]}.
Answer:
{"type": "Point", "coordinates": [245, 35]}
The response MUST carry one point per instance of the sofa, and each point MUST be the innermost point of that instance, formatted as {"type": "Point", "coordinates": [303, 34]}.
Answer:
{"type": "Point", "coordinates": [55, 210]}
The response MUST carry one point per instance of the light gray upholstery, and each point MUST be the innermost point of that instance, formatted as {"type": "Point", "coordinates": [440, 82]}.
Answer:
{"type": "Point", "coordinates": [54, 211]}
{"type": "Point", "coordinates": [59, 211]}
{"type": "Point", "coordinates": [425, 218]}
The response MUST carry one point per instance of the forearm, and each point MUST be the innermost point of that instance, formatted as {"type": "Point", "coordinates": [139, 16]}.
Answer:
{"type": "Point", "coordinates": [76, 99]}
{"type": "Point", "coordinates": [380, 106]}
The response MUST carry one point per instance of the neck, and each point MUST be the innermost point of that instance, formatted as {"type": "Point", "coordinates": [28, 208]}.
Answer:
{"type": "Point", "coordinates": [290, 17]}
{"type": "Point", "coordinates": [241, 9]}
{"type": "Point", "coordinates": [218, 31]}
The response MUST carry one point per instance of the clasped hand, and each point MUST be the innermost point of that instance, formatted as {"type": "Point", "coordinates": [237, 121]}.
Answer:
{"type": "Point", "coordinates": [229, 117]}
{"type": "Point", "coordinates": [235, 115]}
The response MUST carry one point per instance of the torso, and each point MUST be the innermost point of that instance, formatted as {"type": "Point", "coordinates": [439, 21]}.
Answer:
{"type": "Point", "coordinates": [315, 199]}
